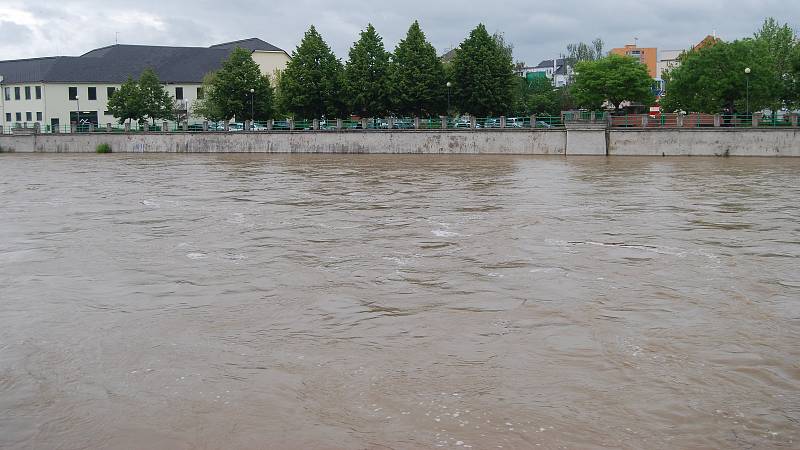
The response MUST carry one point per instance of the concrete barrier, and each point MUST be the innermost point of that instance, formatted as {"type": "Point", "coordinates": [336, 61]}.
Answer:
{"type": "Point", "coordinates": [549, 142]}
{"type": "Point", "coordinates": [705, 142]}
{"type": "Point", "coordinates": [575, 140]}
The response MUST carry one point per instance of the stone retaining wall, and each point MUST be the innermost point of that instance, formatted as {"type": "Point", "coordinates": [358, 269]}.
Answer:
{"type": "Point", "coordinates": [571, 141]}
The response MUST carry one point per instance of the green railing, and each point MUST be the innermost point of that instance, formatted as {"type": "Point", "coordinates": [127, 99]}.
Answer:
{"type": "Point", "coordinates": [539, 122]}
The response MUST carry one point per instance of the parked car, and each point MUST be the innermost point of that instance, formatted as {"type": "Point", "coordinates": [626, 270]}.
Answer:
{"type": "Point", "coordinates": [403, 124]}
{"type": "Point", "coordinates": [280, 125]}
{"type": "Point", "coordinates": [540, 124]}
{"type": "Point", "coordinates": [515, 122]}
{"type": "Point", "coordinates": [490, 123]}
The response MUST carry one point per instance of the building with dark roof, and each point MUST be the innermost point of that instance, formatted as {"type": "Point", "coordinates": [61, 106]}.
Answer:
{"type": "Point", "coordinates": [55, 91]}
{"type": "Point", "coordinates": [558, 70]}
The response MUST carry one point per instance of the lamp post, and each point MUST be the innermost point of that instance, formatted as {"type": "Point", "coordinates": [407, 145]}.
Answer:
{"type": "Point", "coordinates": [78, 113]}
{"type": "Point", "coordinates": [252, 97]}
{"type": "Point", "coordinates": [449, 85]}
{"type": "Point", "coordinates": [747, 99]}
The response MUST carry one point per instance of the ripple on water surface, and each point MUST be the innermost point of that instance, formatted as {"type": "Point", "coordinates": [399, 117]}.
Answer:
{"type": "Point", "coordinates": [398, 301]}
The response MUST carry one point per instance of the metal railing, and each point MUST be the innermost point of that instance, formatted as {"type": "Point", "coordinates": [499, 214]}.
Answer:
{"type": "Point", "coordinates": [537, 122]}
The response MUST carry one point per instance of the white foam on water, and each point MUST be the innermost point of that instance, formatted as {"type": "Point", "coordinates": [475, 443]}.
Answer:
{"type": "Point", "coordinates": [149, 203]}
{"type": "Point", "coordinates": [444, 233]}
{"type": "Point", "coordinates": [196, 255]}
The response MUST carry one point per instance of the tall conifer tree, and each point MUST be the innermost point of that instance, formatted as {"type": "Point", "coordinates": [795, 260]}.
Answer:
{"type": "Point", "coordinates": [484, 75]}
{"type": "Point", "coordinates": [418, 78]}
{"type": "Point", "coordinates": [367, 75]}
{"type": "Point", "coordinates": [312, 84]}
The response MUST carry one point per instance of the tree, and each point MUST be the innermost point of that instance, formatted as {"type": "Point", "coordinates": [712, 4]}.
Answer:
{"type": "Point", "coordinates": [614, 79]}
{"type": "Point", "coordinates": [228, 93]}
{"type": "Point", "coordinates": [126, 103]}
{"type": "Point", "coordinates": [312, 84]}
{"type": "Point", "coordinates": [581, 51]}
{"type": "Point", "coordinates": [713, 79]}
{"type": "Point", "coordinates": [794, 94]}
{"type": "Point", "coordinates": [367, 76]}
{"type": "Point", "coordinates": [779, 42]}
{"type": "Point", "coordinates": [206, 107]}
{"type": "Point", "coordinates": [484, 75]}
{"type": "Point", "coordinates": [538, 96]}
{"type": "Point", "coordinates": [418, 78]}
{"type": "Point", "coordinates": [157, 102]}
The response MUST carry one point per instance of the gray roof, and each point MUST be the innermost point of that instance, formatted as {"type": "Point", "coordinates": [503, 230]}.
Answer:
{"type": "Point", "coordinates": [548, 64]}
{"type": "Point", "coordinates": [115, 63]}
{"type": "Point", "coordinates": [251, 44]}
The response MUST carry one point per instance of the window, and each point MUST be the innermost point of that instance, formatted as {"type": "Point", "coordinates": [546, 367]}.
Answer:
{"type": "Point", "coordinates": [38, 92]}
{"type": "Point", "coordinates": [178, 93]}
{"type": "Point", "coordinates": [110, 91]}
{"type": "Point", "coordinates": [38, 116]}
{"type": "Point", "coordinates": [200, 93]}
{"type": "Point", "coordinates": [92, 93]}
{"type": "Point", "coordinates": [28, 116]}
{"type": "Point", "coordinates": [16, 93]}
{"type": "Point", "coordinates": [7, 92]}
{"type": "Point", "coordinates": [27, 92]}
{"type": "Point", "coordinates": [8, 117]}
{"type": "Point", "coordinates": [19, 117]}
{"type": "Point", "coordinates": [73, 93]}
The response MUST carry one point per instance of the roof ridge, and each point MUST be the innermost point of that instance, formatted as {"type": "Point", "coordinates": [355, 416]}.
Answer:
{"type": "Point", "coordinates": [237, 41]}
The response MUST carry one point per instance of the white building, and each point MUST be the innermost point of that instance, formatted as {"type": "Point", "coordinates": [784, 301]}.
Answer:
{"type": "Point", "coordinates": [56, 91]}
{"type": "Point", "coordinates": [667, 60]}
{"type": "Point", "coordinates": [556, 70]}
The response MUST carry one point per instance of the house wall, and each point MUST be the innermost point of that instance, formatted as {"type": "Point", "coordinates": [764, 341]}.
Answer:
{"type": "Point", "coordinates": [55, 102]}
{"type": "Point", "coordinates": [269, 62]}
{"type": "Point", "coordinates": [648, 57]}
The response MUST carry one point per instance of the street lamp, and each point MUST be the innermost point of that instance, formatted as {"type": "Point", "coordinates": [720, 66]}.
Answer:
{"type": "Point", "coordinates": [78, 113]}
{"type": "Point", "coordinates": [747, 78]}
{"type": "Point", "coordinates": [252, 96]}
{"type": "Point", "coordinates": [449, 85]}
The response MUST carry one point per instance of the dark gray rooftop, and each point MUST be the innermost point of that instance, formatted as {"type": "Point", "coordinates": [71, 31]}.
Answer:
{"type": "Point", "coordinates": [548, 63]}
{"type": "Point", "coordinates": [115, 63]}
{"type": "Point", "coordinates": [251, 44]}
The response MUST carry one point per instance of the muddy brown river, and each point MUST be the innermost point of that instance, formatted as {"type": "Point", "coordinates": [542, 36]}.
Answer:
{"type": "Point", "coordinates": [403, 302]}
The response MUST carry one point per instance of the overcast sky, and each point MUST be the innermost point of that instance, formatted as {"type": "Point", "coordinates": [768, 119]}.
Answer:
{"type": "Point", "coordinates": [538, 29]}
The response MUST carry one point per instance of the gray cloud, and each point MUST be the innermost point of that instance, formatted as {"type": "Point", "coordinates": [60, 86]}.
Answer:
{"type": "Point", "coordinates": [538, 30]}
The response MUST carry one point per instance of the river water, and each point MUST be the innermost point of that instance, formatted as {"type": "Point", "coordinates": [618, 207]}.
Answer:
{"type": "Point", "coordinates": [360, 302]}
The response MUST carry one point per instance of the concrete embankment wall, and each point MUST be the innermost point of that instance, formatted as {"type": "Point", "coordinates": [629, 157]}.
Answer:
{"type": "Point", "coordinates": [573, 141]}
{"type": "Point", "coordinates": [705, 142]}
{"type": "Point", "coordinates": [456, 142]}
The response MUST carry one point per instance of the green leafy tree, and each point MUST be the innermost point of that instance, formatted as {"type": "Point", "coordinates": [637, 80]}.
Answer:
{"type": "Point", "coordinates": [367, 76]}
{"type": "Point", "coordinates": [126, 103]}
{"type": "Point", "coordinates": [795, 76]}
{"type": "Point", "coordinates": [484, 75]}
{"type": "Point", "coordinates": [313, 83]}
{"type": "Point", "coordinates": [614, 79]}
{"type": "Point", "coordinates": [581, 51]}
{"type": "Point", "coordinates": [536, 96]}
{"type": "Point", "coordinates": [418, 78]}
{"type": "Point", "coordinates": [228, 90]}
{"type": "Point", "coordinates": [713, 79]}
{"type": "Point", "coordinates": [158, 104]}
{"type": "Point", "coordinates": [206, 107]}
{"type": "Point", "coordinates": [779, 42]}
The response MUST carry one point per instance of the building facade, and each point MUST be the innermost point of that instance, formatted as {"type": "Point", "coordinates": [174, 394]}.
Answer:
{"type": "Point", "coordinates": [55, 91]}
{"type": "Point", "coordinates": [558, 71]}
{"type": "Point", "coordinates": [646, 55]}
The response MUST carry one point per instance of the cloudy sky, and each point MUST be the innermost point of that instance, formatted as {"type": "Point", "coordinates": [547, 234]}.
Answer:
{"type": "Point", "coordinates": [538, 29]}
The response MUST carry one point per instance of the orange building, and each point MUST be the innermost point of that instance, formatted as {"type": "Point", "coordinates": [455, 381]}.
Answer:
{"type": "Point", "coordinates": [647, 56]}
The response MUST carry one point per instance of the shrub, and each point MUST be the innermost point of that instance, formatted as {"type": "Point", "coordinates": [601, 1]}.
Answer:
{"type": "Point", "coordinates": [103, 148]}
